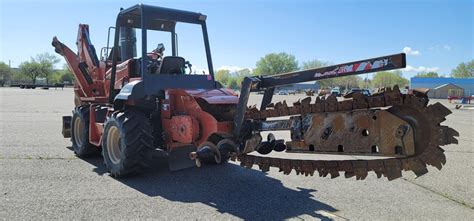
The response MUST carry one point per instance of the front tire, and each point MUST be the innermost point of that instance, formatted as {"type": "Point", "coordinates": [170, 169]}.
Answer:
{"type": "Point", "coordinates": [127, 144]}
{"type": "Point", "coordinates": [80, 133]}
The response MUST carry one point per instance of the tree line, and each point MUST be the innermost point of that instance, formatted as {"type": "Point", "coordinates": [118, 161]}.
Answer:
{"type": "Point", "coordinates": [40, 66]}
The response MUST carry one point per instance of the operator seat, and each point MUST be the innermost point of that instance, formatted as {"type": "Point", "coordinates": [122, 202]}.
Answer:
{"type": "Point", "coordinates": [172, 65]}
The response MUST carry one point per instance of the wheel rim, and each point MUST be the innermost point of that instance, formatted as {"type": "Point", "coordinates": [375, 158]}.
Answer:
{"type": "Point", "coordinates": [113, 144]}
{"type": "Point", "coordinates": [78, 131]}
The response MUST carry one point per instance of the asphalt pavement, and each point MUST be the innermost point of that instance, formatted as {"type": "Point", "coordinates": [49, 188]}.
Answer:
{"type": "Point", "coordinates": [41, 178]}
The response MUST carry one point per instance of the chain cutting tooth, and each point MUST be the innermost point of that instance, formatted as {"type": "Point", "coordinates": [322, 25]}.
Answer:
{"type": "Point", "coordinates": [318, 106]}
{"type": "Point", "coordinates": [308, 167]}
{"type": "Point", "coordinates": [392, 96]}
{"type": "Point", "coordinates": [306, 106]}
{"type": "Point", "coordinates": [285, 166]}
{"type": "Point", "coordinates": [360, 169]}
{"type": "Point", "coordinates": [438, 112]}
{"type": "Point", "coordinates": [359, 101]}
{"type": "Point", "coordinates": [265, 165]}
{"type": "Point", "coordinates": [283, 109]}
{"type": "Point", "coordinates": [330, 104]}
{"type": "Point", "coordinates": [448, 135]}
{"type": "Point", "coordinates": [332, 168]}
{"type": "Point", "coordinates": [345, 105]}
{"type": "Point", "coordinates": [295, 109]}
{"type": "Point", "coordinates": [393, 169]}
{"type": "Point", "coordinates": [376, 101]}
{"type": "Point", "coordinates": [249, 161]}
{"type": "Point", "coordinates": [377, 166]}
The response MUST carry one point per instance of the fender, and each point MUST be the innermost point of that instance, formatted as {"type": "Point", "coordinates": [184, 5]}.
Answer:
{"type": "Point", "coordinates": [132, 91]}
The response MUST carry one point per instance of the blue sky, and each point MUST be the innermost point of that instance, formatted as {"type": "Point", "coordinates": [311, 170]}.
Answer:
{"type": "Point", "coordinates": [437, 34]}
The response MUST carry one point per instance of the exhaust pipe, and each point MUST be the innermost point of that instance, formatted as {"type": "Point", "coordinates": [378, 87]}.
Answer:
{"type": "Point", "coordinates": [207, 151]}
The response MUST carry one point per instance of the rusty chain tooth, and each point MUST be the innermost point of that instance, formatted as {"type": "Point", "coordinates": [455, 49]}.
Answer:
{"type": "Point", "coordinates": [318, 106]}
{"type": "Point", "coordinates": [345, 105]}
{"type": "Point", "coordinates": [360, 169]}
{"type": "Point", "coordinates": [285, 166]}
{"type": "Point", "coordinates": [308, 167]}
{"type": "Point", "coordinates": [275, 162]}
{"type": "Point", "coordinates": [323, 172]}
{"type": "Point", "coordinates": [332, 168]}
{"type": "Point", "coordinates": [392, 97]}
{"type": "Point", "coordinates": [296, 165]}
{"type": "Point", "coordinates": [249, 161]}
{"type": "Point", "coordinates": [377, 166]}
{"type": "Point", "coordinates": [359, 101]}
{"type": "Point", "coordinates": [330, 104]}
{"type": "Point", "coordinates": [448, 135]}
{"type": "Point", "coordinates": [306, 106]}
{"type": "Point", "coordinates": [349, 174]}
{"type": "Point", "coordinates": [265, 165]}
{"type": "Point", "coordinates": [376, 101]}
{"type": "Point", "coordinates": [392, 169]}
{"type": "Point", "coordinates": [434, 158]}
{"type": "Point", "coordinates": [438, 112]}
{"type": "Point", "coordinates": [415, 165]}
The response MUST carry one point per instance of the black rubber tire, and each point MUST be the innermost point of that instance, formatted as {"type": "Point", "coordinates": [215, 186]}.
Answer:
{"type": "Point", "coordinates": [83, 148]}
{"type": "Point", "coordinates": [135, 144]}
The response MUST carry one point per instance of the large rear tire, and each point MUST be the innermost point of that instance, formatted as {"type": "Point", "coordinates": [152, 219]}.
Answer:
{"type": "Point", "coordinates": [127, 143]}
{"type": "Point", "coordinates": [80, 133]}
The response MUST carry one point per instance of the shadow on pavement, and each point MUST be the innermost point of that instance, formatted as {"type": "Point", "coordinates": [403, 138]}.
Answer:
{"type": "Point", "coordinates": [247, 194]}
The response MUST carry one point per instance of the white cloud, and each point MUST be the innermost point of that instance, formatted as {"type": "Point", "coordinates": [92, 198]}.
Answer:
{"type": "Point", "coordinates": [447, 47]}
{"type": "Point", "coordinates": [230, 68]}
{"type": "Point", "coordinates": [420, 69]}
{"type": "Point", "coordinates": [409, 51]}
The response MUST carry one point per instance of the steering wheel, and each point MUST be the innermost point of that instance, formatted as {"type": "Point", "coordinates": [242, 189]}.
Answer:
{"type": "Point", "coordinates": [154, 57]}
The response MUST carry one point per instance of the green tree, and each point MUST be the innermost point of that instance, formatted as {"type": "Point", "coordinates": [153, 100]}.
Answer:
{"type": "Point", "coordinates": [46, 62]}
{"type": "Point", "coordinates": [389, 79]}
{"type": "Point", "coordinates": [223, 76]}
{"type": "Point", "coordinates": [427, 75]}
{"type": "Point", "coordinates": [276, 63]}
{"type": "Point", "coordinates": [66, 75]}
{"type": "Point", "coordinates": [347, 82]}
{"type": "Point", "coordinates": [241, 74]}
{"type": "Point", "coordinates": [326, 83]}
{"type": "Point", "coordinates": [31, 70]}
{"type": "Point", "coordinates": [5, 73]}
{"type": "Point", "coordinates": [233, 83]}
{"type": "Point", "coordinates": [464, 70]}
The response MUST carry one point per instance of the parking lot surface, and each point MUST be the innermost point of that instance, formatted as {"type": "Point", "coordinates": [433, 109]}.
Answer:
{"type": "Point", "coordinates": [40, 177]}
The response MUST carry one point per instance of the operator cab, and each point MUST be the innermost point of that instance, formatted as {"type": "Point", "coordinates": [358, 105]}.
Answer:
{"type": "Point", "coordinates": [141, 26]}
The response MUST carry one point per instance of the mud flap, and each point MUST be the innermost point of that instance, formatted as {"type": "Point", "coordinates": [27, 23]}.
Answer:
{"type": "Point", "coordinates": [178, 159]}
{"type": "Point", "coordinates": [66, 130]}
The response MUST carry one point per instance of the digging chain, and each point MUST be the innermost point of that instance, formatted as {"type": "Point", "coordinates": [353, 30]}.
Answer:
{"type": "Point", "coordinates": [428, 154]}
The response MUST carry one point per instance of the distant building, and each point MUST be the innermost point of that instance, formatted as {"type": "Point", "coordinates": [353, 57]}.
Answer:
{"type": "Point", "coordinates": [465, 84]}
{"type": "Point", "coordinates": [444, 90]}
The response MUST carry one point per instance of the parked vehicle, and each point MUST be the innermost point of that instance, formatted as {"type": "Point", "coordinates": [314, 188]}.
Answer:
{"type": "Point", "coordinates": [336, 91]}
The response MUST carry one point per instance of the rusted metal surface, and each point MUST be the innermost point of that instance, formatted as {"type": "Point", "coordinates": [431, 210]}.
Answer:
{"type": "Point", "coordinates": [404, 125]}
{"type": "Point", "coordinates": [375, 132]}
